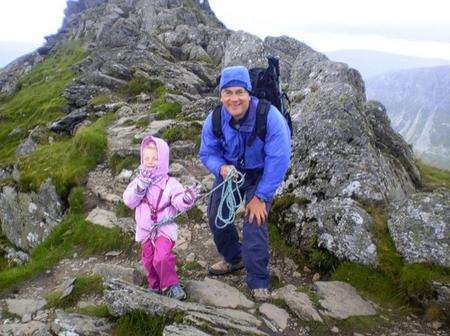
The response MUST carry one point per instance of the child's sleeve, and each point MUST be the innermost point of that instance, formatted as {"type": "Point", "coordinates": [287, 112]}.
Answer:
{"type": "Point", "coordinates": [131, 197]}
{"type": "Point", "coordinates": [177, 195]}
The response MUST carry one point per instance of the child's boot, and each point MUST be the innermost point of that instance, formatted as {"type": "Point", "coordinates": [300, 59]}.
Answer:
{"type": "Point", "coordinates": [176, 292]}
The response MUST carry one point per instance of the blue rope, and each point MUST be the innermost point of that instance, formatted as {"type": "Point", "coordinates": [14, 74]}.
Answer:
{"type": "Point", "coordinates": [230, 186]}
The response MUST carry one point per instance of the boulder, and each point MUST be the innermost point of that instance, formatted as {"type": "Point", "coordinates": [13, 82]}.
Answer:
{"type": "Point", "coordinates": [340, 300]}
{"type": "Point", "coordinates": [299, 303]}
{"type": "Point", "coordinates": [78, 324]}
{"type": "Point", "coordinates": [28, 218]}
{"type": "Point", "coordinates": [420, 228]}
{"type": "Point", "coordinates": [217, 293]}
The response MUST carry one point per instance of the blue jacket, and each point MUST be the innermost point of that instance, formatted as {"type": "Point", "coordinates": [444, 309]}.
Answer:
{"type": "Point", "coordinates": [271, 155]}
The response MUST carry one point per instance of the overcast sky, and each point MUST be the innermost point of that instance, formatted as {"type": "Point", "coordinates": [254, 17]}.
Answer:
{"type": "Point", "coordinates": [409, 27]}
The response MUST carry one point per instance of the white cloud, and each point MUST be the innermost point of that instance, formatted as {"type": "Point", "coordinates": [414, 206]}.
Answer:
{"type": "Point", "coordinates": [30, 20]}
{"type": "Point", "coordinates": [411, 27]}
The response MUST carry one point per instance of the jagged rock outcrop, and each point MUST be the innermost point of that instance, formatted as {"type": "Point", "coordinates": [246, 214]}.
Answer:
{"type": "Point", "coordinates": [27, 219]}
{"type": "Point", "coordinates": [420, 228]}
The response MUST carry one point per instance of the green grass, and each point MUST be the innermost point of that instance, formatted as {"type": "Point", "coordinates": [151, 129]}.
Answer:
{"type": "Point", "coordinates": [77, 199]}
{"type": "Point", "coordinates": [195, 214]}
{"type": "Point", "coordinates": [102, 99]}
{"type": "Point", "coordinates": [165, 110]}
{"type": "Point", "coordinates": [73, 234]}
{"type": "Point", "coordinates": [390, 262]}
{"type": "Point", "coordinates": [139, 323]}
{"type": "Point", "coordinates": [183, 133]}
{"type": "Point", "coordinates": [97, 311]}
{"type": "Point", "coordinates": [416, 279]}
{"type": "Point", "coordinates": [432, 177]}
{"type": "Point", "coordinates": [67, 161]}
{"type": "Point", "coordinates": [117, 163]}
{"type": "Point", "coordinates": [142, 85]}
{"type": "Point", "coordinates": [39, 99]}
{"type": "Point", "coordinates": [123, 211]}
{"type": "Point", "coordinates": [82, 286]}
{"type": "Point", "coordinates": [372, 283]}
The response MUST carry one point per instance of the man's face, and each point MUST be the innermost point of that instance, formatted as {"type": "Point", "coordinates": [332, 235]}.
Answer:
{"type": "Point", "coordinates": [236, 100]}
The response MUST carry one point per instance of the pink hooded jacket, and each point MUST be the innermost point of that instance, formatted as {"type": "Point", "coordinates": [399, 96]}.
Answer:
{"type": "Point", "coordinates": [172, 195]}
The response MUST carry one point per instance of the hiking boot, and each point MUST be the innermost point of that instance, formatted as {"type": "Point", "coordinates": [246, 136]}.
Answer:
{"type": "Point", "coordinates": [222, 268]}
{"type": "Point", "coordinates": [176, 292]}
{"type": "Point", "coordinates": [261, 294]}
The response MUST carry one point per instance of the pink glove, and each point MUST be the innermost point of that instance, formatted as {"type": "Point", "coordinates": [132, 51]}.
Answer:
{"type": "Point", "coordinates": [144, 179]}
{"type": "Point", "coordinates": [190, 195]}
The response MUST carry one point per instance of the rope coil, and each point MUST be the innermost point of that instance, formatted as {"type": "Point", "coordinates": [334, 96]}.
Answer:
{"type": "Point", "coordinates": [232, 182]}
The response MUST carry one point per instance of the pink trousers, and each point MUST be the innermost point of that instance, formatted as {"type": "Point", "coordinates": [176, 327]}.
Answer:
{"type": "Point", "coordinates": [159, 262]}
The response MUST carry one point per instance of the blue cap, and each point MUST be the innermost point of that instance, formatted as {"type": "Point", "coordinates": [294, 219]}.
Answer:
{"type": "Point", "coordinates": [235, 76]}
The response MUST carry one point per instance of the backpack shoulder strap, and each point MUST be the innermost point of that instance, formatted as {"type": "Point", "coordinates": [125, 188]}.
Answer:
{"type": "Point", "coordinates": [261, 119]}
{"type": "Point", "coordinates": [260, 128]}
{"type": "Point", "coordinates": [217, 121]}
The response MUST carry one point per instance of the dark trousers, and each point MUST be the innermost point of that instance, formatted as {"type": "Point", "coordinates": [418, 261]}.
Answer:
{"type": "Point", "coordinates": [254, 250]}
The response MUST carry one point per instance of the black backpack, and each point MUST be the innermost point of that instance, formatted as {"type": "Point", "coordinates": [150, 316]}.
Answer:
{"type": "Point", "coordinates": [266, 87]}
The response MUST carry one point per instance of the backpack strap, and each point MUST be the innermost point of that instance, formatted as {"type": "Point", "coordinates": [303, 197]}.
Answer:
{"type": "Point", "coordinates": [217, 121]}
{"type": "Point", "coordinates": [260, 129]}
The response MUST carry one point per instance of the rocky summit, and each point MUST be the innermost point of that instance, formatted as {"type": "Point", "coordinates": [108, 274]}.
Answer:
{"type": "Point", "coordinates": [359, 238]}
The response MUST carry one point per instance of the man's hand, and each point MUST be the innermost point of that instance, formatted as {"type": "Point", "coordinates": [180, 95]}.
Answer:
{"type": "Point", "coordinates": [256, 210]}
{"type": "Point", "coordinates": [225, 169]}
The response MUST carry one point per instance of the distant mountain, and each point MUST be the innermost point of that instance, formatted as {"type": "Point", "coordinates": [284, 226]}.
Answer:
{"type": "Point", "coordinates": [9, 51]}
{"type": "Point", "coordinates": [418, 104]}
{"type": "Point", "coordinates": [372, 63]}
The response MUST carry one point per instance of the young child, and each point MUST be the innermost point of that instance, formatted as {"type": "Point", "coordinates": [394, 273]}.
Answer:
{"type": "Point", "coordinates": [156, 196]}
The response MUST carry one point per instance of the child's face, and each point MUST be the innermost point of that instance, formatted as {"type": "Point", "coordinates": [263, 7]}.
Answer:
{"type": "Point", "coordinates": [150, 157]}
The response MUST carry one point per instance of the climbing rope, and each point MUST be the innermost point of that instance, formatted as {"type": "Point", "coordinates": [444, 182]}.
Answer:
{"type": "Point", "coordinates": [231, 184]}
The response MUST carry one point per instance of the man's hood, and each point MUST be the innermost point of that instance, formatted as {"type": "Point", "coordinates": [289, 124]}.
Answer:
{"type": "Point", "coordinates": [162, 169]}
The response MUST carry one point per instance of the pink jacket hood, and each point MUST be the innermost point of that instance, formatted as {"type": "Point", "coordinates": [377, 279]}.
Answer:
{"type": "Point", "coordinates": [162, 147]}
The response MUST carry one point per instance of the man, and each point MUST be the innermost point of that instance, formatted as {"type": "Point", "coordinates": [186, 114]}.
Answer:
{"type": "Point", "coordinates": [264, 162]}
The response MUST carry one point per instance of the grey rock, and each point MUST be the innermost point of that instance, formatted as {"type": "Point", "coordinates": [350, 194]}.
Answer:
{"type": "Point", "coordinates": [27, 219]}
{"type": "Point", "coordinates": [68, 123]}
{"type": "Point", "coordinates": [298, 302]}
{"type": "Point", "coordinates": [420, 229]}
{"type": "Point", "coordinates": [79, 94]}
{"type": "Point", "coordinates": [66, 287]}
{"type": "Point", "coordinates": [278, 317]}
{"type": "Point", "coordinates": [122, 297]}
{"type": "Point", "coordinates": [102, 217]}
{"type": "Point", "coordinates": [14, 257]}
{"type": "Point", "coordinates": [340, 300]}
{"type": "Point", "coordinates": [245, 49]}
{"type": "Point", "coordinates": [182, 330]}
{"type": "Point", "coordinates": [11, 74]}
{"type": "Point", "coordinates": [113, 271]}
{"type": "Point", "coordinates": [217, 293]}
{"type": "Point", "coordinates": [25, 308]}
{"type": "Point", "coordinates": [345, 229]}
{"type": "Point", "coordinates": [200, 108]}
{"type": "Point", "coordinates": [443, 292]}
{"type": "Point", "coordinates": [26, 147]}
{"type": "Point", "coordinates": [32, 328]}
{"type": "Point", "coordinates": [78, 324]}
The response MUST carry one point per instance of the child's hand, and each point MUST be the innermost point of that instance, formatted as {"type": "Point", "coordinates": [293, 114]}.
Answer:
{"type": "Point", "coordinates": [190, 195]}
{"type": "Point", "coordinates": [144, 177]}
